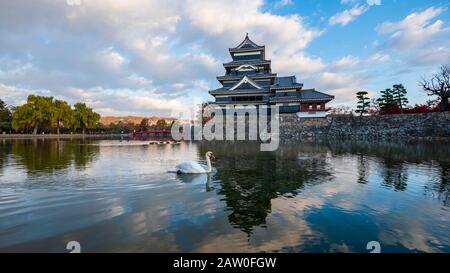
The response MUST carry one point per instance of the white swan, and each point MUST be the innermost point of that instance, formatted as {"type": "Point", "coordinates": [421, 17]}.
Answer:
{"type": "Point", "coordinates": [194, 167]}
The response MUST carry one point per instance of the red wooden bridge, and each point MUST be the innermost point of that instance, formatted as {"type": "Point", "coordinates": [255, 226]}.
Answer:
{"type": "Point", "coordinates": [148, 132]}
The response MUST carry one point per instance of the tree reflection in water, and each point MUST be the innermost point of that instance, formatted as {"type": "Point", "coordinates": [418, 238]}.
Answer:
{"type": "Point", "coordinates": [250, 179]}
{"type": "Point", "coordinates": [395, 175]}
{"type": "Point", "coordinates": [440, 185]}
{"type": "Point", "coordinates": [394, 158]}
{"type": "Point", "coordinates": [5, 151]}
{"type": "Point", "coordinates": [47, 155]}
{"type": "Point", "coordinates": [443, 187]}
{"type": "Point", "coordinates": [363, 169]}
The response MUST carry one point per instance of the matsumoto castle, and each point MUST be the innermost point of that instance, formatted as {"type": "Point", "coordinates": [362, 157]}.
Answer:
{"type": "Point", "coordinates": [249, 80]}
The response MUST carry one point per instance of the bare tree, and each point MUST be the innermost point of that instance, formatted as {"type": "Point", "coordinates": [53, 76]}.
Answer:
{"type": "Point", "coordinates": [375, 107]}
{"type": "Point", "coordinates": [439, 85]}
{"type": "Point", "coordinates": [341, 110]}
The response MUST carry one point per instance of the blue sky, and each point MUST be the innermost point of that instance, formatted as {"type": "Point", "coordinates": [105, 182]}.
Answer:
{"type": "Point", "coordinates": [147, 57]}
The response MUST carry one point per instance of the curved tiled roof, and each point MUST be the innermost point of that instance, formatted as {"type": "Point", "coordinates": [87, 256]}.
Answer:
{"type": "Point", "coordinates": [286, 83]}
{"type": "Point", "coordinates": [304, 96]}
{"type": "Point", "coordinates": [245, 45]}
{"type": "Point", "coordinates": [223, 91]}
{"type": "Point", "coordinates": [255, 62]}
{"type": "Point", "coordinates": [256, 76]}
{"type": "Point", "coordinates": [314, 94]}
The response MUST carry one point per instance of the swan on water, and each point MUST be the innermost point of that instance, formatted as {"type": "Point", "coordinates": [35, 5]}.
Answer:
{"type": "Point", "coordinates": [194, 167]}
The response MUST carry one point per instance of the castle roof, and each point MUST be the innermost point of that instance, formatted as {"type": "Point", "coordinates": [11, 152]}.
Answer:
{"type": "Point", "coordinates": [286, 83]}
{"type": "Point", "coordinates": [246, 45]}
{"type": "Point", "coordinates": [306, 95]}
{"type": "Point", "coordinates": [253, 62]}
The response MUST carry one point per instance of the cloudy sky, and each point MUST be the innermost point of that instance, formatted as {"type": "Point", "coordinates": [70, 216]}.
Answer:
{"type": "Point", "coordinates": [147, 57]}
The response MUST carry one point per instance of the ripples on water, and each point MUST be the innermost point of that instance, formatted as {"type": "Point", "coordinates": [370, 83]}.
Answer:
{"type": "Point", "coordinates": [313, 197]}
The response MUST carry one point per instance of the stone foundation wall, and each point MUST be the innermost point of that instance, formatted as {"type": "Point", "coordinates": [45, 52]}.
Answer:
{"type": "Point", "coordinates": [408, 126]}
{"type": "Point", "coordinates": [294, 128]}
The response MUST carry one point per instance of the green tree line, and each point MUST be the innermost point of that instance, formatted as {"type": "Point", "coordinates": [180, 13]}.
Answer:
{"type": "Point", "coordinates": [129, 127]}
{"type": "Point", "coordinates": [392, 100]}
{"type": "Point", "coordinates": [47, 114]}
{"type": "Point", "coordinates": [5, 117]}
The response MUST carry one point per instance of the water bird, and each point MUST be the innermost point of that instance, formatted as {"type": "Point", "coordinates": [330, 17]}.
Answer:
{"type": "Point", "coordinates": [192, 167]}
{"type": "Point", "coordinates": [165, 142]}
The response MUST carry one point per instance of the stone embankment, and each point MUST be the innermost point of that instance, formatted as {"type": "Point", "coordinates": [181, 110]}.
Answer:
{"type": "Point", "coordinates": [432, 126]}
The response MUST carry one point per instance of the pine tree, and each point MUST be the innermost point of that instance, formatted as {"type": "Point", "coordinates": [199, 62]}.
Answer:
{"type": "Point", "coordinates": [387, 101]}
{"type": "Point", "coordinates": [363, 103]}
{"type": "Point", "coordinates": [399, 94]}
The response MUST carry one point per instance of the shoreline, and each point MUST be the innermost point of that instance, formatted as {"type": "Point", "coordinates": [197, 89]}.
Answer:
{"type": "Point", "coordinates": [65, 136]}
{"type": "Point", "coordinates": [287, 140]}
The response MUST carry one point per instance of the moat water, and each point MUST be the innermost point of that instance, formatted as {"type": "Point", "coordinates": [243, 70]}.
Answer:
{"type": "Point", "coordinates": [113, 196]}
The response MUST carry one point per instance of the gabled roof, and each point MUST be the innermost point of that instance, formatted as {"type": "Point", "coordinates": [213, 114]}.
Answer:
{"type": "Point", "coordinates": [247, 44]}
{"type": "Point", "coordinates": [246, 67]}
{"type": "Point", "coordinates": [246, 83]}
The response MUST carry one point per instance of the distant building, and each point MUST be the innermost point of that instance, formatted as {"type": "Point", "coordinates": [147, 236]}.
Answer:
{"type": "Point", "coordinates": [249, 80]}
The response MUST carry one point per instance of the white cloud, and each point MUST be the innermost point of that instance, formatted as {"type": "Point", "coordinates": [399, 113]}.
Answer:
{"type": "Point", "coordinates": [135, 104]}
{"type": "Point", "coordinates": [12, 94]}
{"type": "Point", "coordinates": [347, 62]}
{"type": "Point", "coordinates": [106, 101]}
{"type": "Point", "coordinates": [137, 55]}
{"type": "Point", "coordinates": [219, 20]}
{"type": "Point", "coordinates": [431, 56]}
{"type": "Point", "coordinates": [112, 59]}
{"type": "Point", "coordinates": [379, 58]}
{"type": "Point", "coordinates": [342, 85]}
{"type": "Point", "coordinates": [414, 30]}
{"type": "Point", "coordinates": [139, 80]}
{"type": "Point", "coordinates": [172, 49]}
{"type": "Point", "coordinates": [347, 16]}
{"type": "Point", "coordinates": [369, 2]}
{"type": "Point", "coordinates": [297, 63]}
